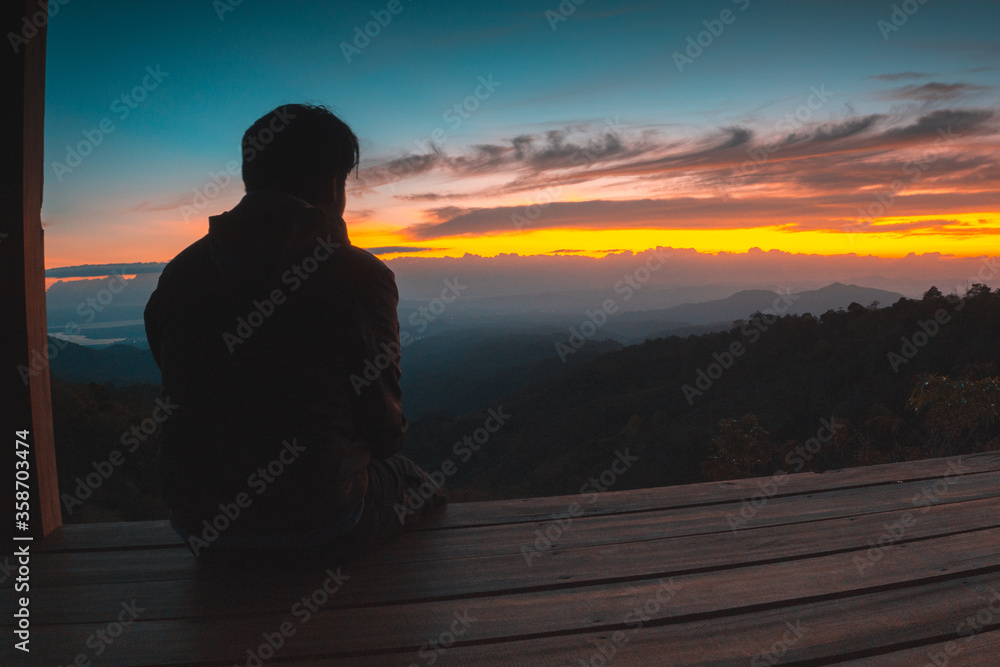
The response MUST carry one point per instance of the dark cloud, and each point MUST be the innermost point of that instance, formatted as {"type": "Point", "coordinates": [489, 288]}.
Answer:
{"type": "Point", "coordinates": [937, 227]}
{"type": "Point", "coordinates": [422, 196]}
{"type": "Point", "coordinates": [818, 172]}
{"type": "Point", "coordinates": [567, 148]}
{"type": "Point", "coordinates": [832, 131]}
{"type": "Point", "coordinates": [390, 249]}
{"type": "Point", "coordinates": [170, 204]}
{"type": "Point", "coordinates": [445, 212]}
{"type": "Point", "coordinates": [481, 158]}
{"type": "Point", "coordinates": [900, 76]}
{"type": "Point", "coordinates": [677, 213]}
{"type": "Point", "coordinates": [737, 137]}
{"type": "Point", "coordinates": [947, 120]}
{"type": "Point", "coordinates": [933, 92]}
{"type": "Point", "coordinates": [101, 270]}
{"type": "Point", "coordinates": [400, 168]}
{"type": "Point", "coordinates": [796, 211]}
{"type": "Point", "coordinates": [559, 152]}
{"type": "Point", "coordinates": [432, 196]}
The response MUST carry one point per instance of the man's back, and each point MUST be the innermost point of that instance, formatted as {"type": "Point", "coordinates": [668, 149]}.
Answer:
{"type": "Point", "coordinates": [258, 328]}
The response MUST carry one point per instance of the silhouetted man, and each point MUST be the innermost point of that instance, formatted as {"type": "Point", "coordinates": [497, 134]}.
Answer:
{"type": "Point", "coordinates": [257, 328]}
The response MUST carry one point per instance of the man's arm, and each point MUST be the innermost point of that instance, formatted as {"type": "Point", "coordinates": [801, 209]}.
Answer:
{"type": "Point", "coordinates": [383, 424]}
{"type": "Point", "coordinates": [152, 316]}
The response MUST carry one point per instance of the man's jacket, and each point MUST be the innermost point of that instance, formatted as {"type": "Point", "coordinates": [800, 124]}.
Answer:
{"type": "Point", "coordinates": [279, 342]}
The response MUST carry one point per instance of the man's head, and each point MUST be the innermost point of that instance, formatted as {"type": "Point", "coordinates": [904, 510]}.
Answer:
{"type": "Point", "coordinates": [302, 150]}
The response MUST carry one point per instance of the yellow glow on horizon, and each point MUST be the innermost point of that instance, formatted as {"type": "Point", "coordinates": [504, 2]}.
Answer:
{"type": "Point", "coordinates": [963, 235]}
{"type": "Point", "coordinates": [967, 234]}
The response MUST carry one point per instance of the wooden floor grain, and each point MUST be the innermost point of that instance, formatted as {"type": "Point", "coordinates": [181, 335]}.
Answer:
{"type": "Point", "coordinates": [895, 564]}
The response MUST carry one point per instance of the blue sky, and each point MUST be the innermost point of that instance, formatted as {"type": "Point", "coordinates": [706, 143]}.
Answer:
{"type": "Point", "coordinates": [605, 61]}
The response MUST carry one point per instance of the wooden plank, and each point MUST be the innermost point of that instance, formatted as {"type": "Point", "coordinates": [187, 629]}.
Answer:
{"type": "Point", "coordinates": [592, 530]}
{"type": "Point", "coordinates": [159, 533]}
{"type": "Point", "coordinates": [462, 576]}
{"type": "Point", "coordinates": [112, 535]}
{"type": "Point", "coordinates": [559, 568]}
{"type": "Point", "coordinates": [973, 650]}
{"type": "Point", "coordinates": [486, 541]}
{"type": "Point", "coordinates": [980, 650]}
{"type": "Point", "coordinates": [845, 625]}
{"type": "Point", "coordinates": [693, 520]}
{"type": "Point", "coordinates": [830, 632]}
{"type": "Point", "coordinates": [913, 561]}
{"type": "Point", "coordinates": [717, 592]}
{"type": "Point", "coordinates": [43, 437]}
{"type": "Point", "coordinates": [23, 339]}
{"type": "Point", "coordinates": [708, 493]}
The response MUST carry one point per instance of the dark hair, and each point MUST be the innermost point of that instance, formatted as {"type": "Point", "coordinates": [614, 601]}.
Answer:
{"type": "Point", "coordinates": [298, 149]}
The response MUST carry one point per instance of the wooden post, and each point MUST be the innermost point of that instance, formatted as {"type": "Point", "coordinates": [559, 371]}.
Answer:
{"type": "Point", "coordinates": [27, 401]}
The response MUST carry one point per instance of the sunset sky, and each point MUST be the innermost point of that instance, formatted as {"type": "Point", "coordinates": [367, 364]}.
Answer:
{"type": "Point", "coordinates": [808, 126]}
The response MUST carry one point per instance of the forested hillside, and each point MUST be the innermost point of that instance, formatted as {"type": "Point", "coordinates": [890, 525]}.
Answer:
{"type": "Point", "coordinates": [854, 378]}
{"type": "Point", "coordinates": [853, 387]}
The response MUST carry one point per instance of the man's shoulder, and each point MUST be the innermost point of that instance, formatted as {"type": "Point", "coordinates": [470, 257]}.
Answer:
{"type": "Point", "coordinates": [353, 257]}
{"type": "Point", "coordinates": [196, 255]}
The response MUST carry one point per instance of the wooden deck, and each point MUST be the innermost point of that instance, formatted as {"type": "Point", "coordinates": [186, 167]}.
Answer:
{"type": "Point", "coordinates": [651, 577]}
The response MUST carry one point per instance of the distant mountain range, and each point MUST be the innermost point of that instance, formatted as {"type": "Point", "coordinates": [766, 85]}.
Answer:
{"type": "Point", "coordinates": [663, 310]}
{"type": "Point", "coordinates": [463, 365]}
{"type": "Point", "coordinates": [743, 304]}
